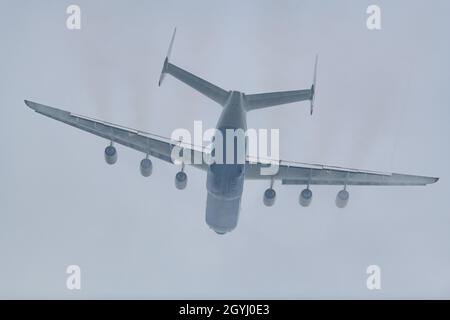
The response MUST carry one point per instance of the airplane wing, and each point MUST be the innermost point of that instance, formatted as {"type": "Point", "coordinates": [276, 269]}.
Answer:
{"type": "Point", "coordinates": [156, 146]}
{"type": "Point", "coordinates": [292, 173]}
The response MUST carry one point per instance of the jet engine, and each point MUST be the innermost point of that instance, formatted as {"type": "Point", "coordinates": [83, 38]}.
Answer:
{"type": "Point", "coordinates": [110, 155]}
{"type": "Point", "coordinates": [180, 180]}
{"type": "Point", "coordinates": [269, 197]}
{"type": "Point", "coordinates": [146, 167]}
{"type": "Point", "coordinates": [342, 198]}
{"type": "Point", "coordinates": [305, 197]}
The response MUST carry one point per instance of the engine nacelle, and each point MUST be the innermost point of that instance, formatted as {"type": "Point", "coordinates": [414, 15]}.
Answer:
{"type": "Point", "coordinates": [342, 198]}
{"type": "Point", "coordinates": [110, 155]}
{"type": "Point", "coordinates": [269, 197]}
{"type": "Point", "coordinates": [305, 197]}
{"type": "Point", "coordinates": [146, 167]}
{"type": "Point", "coordinates": [180, 180]}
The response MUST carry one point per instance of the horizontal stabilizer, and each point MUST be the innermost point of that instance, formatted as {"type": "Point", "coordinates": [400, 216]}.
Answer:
{"type": "Point", "coordinates": [206, 88]}
{"type": "Point", "coordinates": [270, 99]}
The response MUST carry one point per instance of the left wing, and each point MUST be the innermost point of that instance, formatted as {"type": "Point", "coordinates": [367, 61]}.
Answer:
{"type": "Point", "coordinates": [291, 173]}
{"type": "Point", "coordinates": [147, 143]}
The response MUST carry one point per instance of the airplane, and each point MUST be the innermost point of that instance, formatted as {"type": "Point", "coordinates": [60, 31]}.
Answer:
{"type": "Point", "coordinates": [225, 182]}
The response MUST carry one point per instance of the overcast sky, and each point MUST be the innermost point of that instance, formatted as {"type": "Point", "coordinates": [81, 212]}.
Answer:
{"type": "Point", "coordinates": [382, 104]}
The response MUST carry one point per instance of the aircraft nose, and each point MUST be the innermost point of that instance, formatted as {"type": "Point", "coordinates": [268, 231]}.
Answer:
{"type": "Point", "coordinates": [221, 214]}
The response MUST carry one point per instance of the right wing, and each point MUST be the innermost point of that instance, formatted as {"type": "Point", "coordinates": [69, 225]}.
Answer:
{"type": "Point", "coordinates": [292, 173]}
{"type": "Point", "coordinates": [153, 145]}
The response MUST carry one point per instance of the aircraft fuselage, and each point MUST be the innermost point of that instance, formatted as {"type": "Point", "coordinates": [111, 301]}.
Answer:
{"type": "Point", "coordinates": [225, 181]}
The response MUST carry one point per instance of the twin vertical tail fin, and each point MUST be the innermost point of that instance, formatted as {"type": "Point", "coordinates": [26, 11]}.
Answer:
{"type": "Point", "coordinates": [166, 60]}
{"type": "Point", "coordinates": [313, 87]}
{"type": "Point", "coordinates": [252, 101]}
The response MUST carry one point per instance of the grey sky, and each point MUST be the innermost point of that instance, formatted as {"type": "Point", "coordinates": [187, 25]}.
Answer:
{"type": "Point", "coordinates": [382, 104]}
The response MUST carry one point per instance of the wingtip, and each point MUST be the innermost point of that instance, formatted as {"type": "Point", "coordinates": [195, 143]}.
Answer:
{"type": "Point", "coordinates": [431, 180]}
{"type": "Point", "coordinates": [30, 104]}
